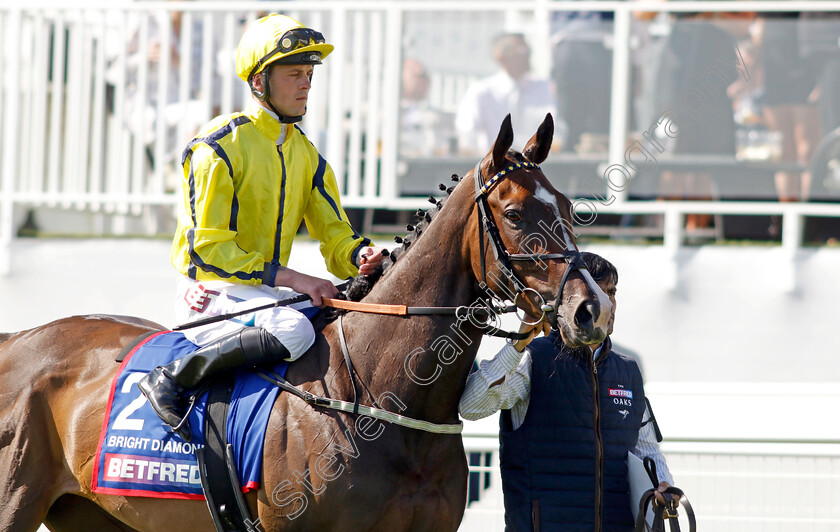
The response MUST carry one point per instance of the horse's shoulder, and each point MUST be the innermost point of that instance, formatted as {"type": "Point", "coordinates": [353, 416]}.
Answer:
{"type": "Point", "coordinates": [315, 365]}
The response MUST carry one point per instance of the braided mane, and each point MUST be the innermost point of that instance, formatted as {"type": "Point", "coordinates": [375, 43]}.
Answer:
{"type": "Point", "coordinates": [363, 284]}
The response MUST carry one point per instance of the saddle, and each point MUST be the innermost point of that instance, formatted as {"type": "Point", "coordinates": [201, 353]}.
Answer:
{"type": "Point", "coordinates": [217, 468]}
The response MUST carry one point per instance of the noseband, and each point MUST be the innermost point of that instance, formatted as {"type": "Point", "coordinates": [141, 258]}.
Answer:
{"type": "Point", "coordinates": [505, 258]}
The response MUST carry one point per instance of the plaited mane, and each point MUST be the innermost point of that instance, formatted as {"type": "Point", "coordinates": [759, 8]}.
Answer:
{"type": "Point", "coordinates": [362, 284]}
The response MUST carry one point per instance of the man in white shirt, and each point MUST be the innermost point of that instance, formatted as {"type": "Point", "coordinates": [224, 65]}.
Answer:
{"type": "Point", "coordinates": [511, 90]}
{"type": "Point", "coordinates": [569, 417]}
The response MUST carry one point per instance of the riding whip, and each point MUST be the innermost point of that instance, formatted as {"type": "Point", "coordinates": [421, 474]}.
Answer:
{"type": "Point", "coordinates": [280, 303]}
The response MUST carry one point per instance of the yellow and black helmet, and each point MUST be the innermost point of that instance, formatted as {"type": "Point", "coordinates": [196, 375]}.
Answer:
{"type": "Point", "coordinates": [278, 39]}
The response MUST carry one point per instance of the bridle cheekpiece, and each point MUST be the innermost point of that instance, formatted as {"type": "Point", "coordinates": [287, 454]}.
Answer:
{"type": "Point", "coordinates": [504, 257]}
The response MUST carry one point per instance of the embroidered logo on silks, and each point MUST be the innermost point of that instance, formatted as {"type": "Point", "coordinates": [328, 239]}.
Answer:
{"type": "Point", "coordinates": [621, 396]}
{"type": "Point", "coordinates": [199, 298]}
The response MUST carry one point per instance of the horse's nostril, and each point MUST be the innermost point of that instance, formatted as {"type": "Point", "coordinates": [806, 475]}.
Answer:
{"type": "Point", "coordinates": [585, 315]}
{"type": "Point", "coordinates": [583, 318]}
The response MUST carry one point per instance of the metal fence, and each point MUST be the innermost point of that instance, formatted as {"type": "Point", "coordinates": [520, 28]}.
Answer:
{"type": "Point", "coordinates": [745, 486]}
{"type": "Point", "coordinates": [749, 456]}
{"type": "Point", "coordinates": [94, 114]}
{"type": "Point", "coordinates": [93, 122]}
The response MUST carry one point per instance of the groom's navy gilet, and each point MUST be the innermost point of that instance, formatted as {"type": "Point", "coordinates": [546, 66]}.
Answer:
{"type": "Point", "coordinates": [550, 463]}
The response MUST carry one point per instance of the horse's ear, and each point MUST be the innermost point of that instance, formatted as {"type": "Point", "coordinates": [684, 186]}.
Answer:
{"type": "Point", "coordinates": [502, 144]}
{"type": "Point", "coordinates": [538, 147]}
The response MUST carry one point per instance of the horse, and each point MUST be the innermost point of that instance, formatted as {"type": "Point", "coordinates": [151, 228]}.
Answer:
{"type": "Point", "coordinates": [323, 469]}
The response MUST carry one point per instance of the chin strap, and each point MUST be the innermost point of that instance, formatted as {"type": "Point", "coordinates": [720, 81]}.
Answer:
{"type": "Point", "coordinates": [281, 117]}
{"type": "Point", "coordinates": [264, 97]}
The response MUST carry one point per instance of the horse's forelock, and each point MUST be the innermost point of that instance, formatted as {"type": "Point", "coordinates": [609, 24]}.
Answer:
{"type": "Point", "coordinates": [516, 156]}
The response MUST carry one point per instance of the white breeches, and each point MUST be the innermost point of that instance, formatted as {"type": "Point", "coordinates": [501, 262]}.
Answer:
{"type": "Point", "coordinates": [202, 299]}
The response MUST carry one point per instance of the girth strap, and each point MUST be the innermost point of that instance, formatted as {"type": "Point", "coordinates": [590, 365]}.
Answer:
{"type": "Point", "coordinates": [216, 464]}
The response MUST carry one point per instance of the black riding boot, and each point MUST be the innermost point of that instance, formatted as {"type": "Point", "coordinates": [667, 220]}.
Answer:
{"type": "Point", "coordinates": [164, 386]}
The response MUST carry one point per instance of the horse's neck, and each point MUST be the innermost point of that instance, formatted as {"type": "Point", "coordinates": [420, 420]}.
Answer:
{"type": "Point", "coordinates": [423, 360]}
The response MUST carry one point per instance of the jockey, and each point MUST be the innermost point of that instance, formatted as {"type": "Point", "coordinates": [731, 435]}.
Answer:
{"type": "Point", "coordinates": [249, 180]}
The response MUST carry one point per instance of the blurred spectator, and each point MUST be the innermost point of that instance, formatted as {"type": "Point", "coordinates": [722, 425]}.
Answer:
{"type": "Point", "coordinates": [697, 65]}
{"type": "Point", "coordinates": [819, 39]}
{"type": "Point", "coordinates": [582, 73]}
{"type": "Point", "coordinates": [789, 82]}
{"type": "Point", "coordinates": [423, 129]}
{"type": "Point", "coordinates": [511, 90]}
{"type": "Point", "coordinates": [142, 103]}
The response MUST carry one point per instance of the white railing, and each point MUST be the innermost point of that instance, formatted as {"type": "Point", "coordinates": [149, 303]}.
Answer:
{"type": "Point", "coordinates": [91, 122]}
{"type": "Point", "coordinates": [733, 486]}
{"type": "Point", "coordinates": [750, 456]}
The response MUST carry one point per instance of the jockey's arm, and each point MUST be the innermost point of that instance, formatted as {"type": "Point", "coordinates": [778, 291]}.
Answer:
{"type": "Point", "coordinates": [315, 287]}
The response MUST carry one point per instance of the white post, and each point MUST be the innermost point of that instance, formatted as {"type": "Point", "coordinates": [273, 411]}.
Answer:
{"type": "Point", "coordinates": [335, 134]}
{"type": "Point", "coordinates": [154, 183]}
{"type": "Point", "coordinates": [98, 134]}
{"type": "Point", "coordinates": [391, 104]}
{"type": "Point", "coordinates": [359, 74]}
{"type": "Point", "coordinates": [185, 81]}
{"type": "Point", "coordinates": [119, 146]}
{"type": "Point", "coordinates": [619, 96]}
{"type": "Point", "coordinates": [792, 228]}
{"type": "Point", "coordinates": [54, 173]}
{"type": "Point", "coordinates": [672, 241]}
{"type": "Point", "coordinates": [11, 142]}
{"type": "Point", "coordinates": [229, 42]}
{"type": "Point", "coordinates": [38, 84]}
{"type": "Point", "coordinates": [374, 95]}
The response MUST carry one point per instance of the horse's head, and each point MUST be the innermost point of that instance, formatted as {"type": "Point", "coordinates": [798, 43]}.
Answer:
{"type": "Point", "coordinates": [524, 248]}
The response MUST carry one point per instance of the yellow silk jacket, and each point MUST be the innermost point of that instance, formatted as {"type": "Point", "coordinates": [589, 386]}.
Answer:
{"type": "Point", "coordinates": [244, 198]}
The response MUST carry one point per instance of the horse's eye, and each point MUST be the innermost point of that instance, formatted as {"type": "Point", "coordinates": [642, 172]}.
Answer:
{"type": "Point", "coordinates": [513, 216]}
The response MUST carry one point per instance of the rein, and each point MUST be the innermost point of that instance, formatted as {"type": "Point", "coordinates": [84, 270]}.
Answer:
{"type": "Point", "coordinates": [462, 313]}
{"type": "Point", "coordinates": [402, 310]}
{"type": "Point", "coordinates": [660, 512]}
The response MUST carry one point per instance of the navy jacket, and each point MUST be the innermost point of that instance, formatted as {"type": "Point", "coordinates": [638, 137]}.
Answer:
{"type": "Point", "coordinates": [565, 468]}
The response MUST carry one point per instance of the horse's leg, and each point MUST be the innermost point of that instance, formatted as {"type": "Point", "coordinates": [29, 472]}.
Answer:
{"type": "Point", "coordinates": [29, 473]}
{"type": "Point", "coordinates": [71, 513]}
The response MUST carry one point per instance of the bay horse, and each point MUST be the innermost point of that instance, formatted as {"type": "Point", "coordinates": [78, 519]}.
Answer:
{"type": "Point", "coordinates": [322, 470]}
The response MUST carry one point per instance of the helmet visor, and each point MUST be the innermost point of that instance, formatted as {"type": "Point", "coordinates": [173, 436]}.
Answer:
{"type": "Point", "coordinates": [289, 42]}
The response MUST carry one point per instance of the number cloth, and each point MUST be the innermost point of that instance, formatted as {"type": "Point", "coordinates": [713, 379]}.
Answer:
{"type": "Point", "coordinates": [138, 456]}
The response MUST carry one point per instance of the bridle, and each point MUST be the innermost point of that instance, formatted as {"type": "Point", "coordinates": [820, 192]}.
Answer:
{"type": "Point", "coordinates": [505, 258]}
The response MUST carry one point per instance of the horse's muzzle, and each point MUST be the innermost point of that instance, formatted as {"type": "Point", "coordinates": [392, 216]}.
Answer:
{"type": "Point", "coordinates": [581, 327]}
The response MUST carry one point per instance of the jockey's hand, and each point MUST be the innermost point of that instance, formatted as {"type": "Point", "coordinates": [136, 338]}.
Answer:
{"type": "Point", "coordinates": [315, 287]}
{"type": "Point", "coordinates": [369, 258]}
{"type": "Point", "coordinates": [659, 495]}
{"type": "Point", "coordinates": [533, 331]}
